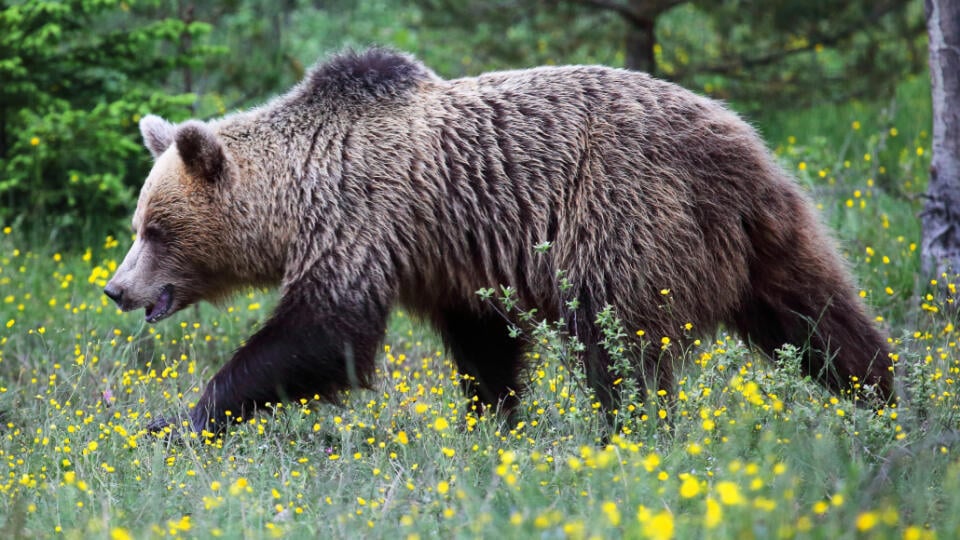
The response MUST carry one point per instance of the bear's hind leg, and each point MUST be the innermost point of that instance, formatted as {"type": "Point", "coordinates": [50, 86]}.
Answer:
{"type": "Point", "coordinates": [841, 348]}
{"type": "Point", "coordinates": [485, 353]}
{"type": "Point", "coordinates": [799, 291]}
{"type": "Point", "coordinates": [802, 294]}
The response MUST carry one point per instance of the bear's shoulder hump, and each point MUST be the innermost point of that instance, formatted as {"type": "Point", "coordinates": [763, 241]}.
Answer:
{"type": "Point", "coordinates": [373, 74]}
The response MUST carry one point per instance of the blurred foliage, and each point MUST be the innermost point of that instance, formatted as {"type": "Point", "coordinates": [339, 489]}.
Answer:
{"type": "Point", "coordinates": [77, 74]}
{"type": "Point", "coordinates": [782, 53]}
{"type": "Point", "coordinates": [76, 77]}
{"type": "Point", "coordinates": [797, 53]}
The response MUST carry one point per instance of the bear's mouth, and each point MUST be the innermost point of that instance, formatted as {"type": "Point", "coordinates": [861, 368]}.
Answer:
{"type": "Point", "coordinates": [162, 307]}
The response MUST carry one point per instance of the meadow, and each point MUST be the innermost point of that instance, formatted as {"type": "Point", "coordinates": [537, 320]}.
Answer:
{"type": "Point", "coordinates": [750, 449]}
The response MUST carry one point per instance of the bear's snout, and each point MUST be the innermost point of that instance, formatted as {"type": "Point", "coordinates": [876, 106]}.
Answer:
{"type": "Point", "coordinates": [114, 293]}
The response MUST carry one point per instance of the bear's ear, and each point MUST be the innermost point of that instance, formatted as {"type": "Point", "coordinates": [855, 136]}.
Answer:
{"type": "Point", "coordinates": [201, 151]}
{"type": "Point", "coordinates": [157, 134]}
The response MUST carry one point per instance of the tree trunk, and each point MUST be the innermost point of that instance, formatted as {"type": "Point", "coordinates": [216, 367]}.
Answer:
{"type": "Point", "coordinates": [641, 19]}
{"type": "Point", "coordinates": [185, 13]}
{"type": "Point", "coordinates": [3, 133]}
{"type": "Point", "coordinates": [639, 44]}
{"type": "Point", "coordinates": [941, 214]}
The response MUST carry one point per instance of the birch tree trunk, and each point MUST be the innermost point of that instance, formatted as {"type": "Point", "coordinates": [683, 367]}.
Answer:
{"type": "Point", "coordinates": [941, 213]}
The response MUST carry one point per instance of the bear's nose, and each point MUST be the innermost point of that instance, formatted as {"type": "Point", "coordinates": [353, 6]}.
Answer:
{"type": "Point", "coordinates": [115, 293]}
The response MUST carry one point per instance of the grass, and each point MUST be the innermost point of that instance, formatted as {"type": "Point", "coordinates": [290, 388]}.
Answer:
{"type": "Point", "coordinates": [750, 450]}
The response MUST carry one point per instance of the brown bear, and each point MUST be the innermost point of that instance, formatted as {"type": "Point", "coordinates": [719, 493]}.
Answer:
{"type": "Point", "coordinates": [375, 182]}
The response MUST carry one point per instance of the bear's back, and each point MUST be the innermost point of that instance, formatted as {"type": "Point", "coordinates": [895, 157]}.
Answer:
{"type": "Point", "coordinates": [618, 170]}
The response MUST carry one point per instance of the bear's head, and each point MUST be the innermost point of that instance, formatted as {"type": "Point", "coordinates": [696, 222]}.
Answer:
{"type": "Point", "coordinates": [191, 224]}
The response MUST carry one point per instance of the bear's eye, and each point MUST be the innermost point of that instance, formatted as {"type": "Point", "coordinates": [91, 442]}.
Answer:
{"type": "Point", "coordinates": [152, 233]}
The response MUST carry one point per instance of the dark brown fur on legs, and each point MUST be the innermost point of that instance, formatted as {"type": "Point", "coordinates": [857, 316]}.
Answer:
{"type": "Point", "coordinates": [841, 359]}
{"type": "Point", "coordinates": [299, 353]}
{"type": "Point", "coordinates": [486, 353]}
{"type": "Point", "coordinates": [801, 294]}
{"type": "Point", "coordinates": [649, 364]}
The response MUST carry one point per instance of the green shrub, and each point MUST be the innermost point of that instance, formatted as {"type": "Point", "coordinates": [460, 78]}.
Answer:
{"type": "Point", "coordinates": [76, 77]}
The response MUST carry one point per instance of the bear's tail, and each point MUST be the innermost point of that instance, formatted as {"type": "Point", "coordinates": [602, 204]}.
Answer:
{"type": "Point", "coordinates": [802, 293]}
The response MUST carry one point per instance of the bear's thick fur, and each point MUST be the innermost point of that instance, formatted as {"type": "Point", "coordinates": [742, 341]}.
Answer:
{"type": "Point", "coordinates": [375, 182]}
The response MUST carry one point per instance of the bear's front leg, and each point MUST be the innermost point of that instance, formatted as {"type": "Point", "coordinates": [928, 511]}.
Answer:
{"type": "Point", "coordinates": [301, 352]}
